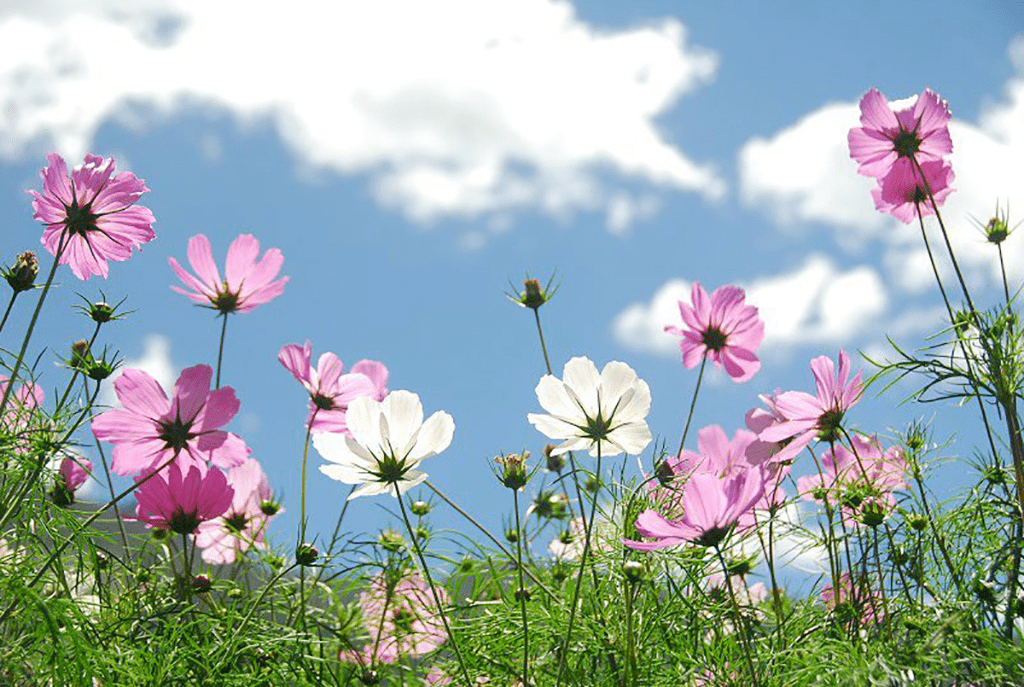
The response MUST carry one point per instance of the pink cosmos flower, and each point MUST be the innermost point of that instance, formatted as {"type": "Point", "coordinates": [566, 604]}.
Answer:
{"type": "Point", "coordinates": [722, 328]}
{"type": "Point", "coordinates": [712, 507]}
{"type": "Point", "coordinates": [903, 192]}
{"type": "Point", "coordinates": [859, 603]}
{"type": "Point", "coordinates": [246, 284]}
{"type": "Point", "coordinates": [401, 618]}
{"type": "Point", "coordinates": [919, 132]}
{"type": "Point", "coordinates": [91, 215]}
{"type": "Point", "coordinates": [72, 473]}
{"type": "Point", "coordinates": [25, 401]}
{"type": "Point", "coordinates": [169, 501]}
{"type": "Point", "coordinates": [330, 391]}
{"type": "Point", "coordinates": [149, 429]}
{"type": "Point", "coordinates": [244, 524]}
{"type": "Point", "coordinates": [860, 481]}
{"type": "Point", "coordinates": [807, 417]}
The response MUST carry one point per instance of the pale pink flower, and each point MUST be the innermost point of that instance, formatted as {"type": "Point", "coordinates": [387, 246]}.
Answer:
{"type": "Point", "coordinates": [919, 132]}
{"type": "Point", "coordinates": [330, 391]}
{"type": "Point", "coordinates": [401, 618]}
{"type": "Point", "coordinates": [864, 605]}
{"type": "Point", "coordinates": [91, 213]}
{"type": "Point", "coordinates": [72, 472]}
{"type": "Point", "coordinates": [149, 429]}
{"type": "Point", "coordinates": [807, 417]}
{"type": "Point", "coordinates": [712, 507]}
{"type": "Point", "coordinates": [246, 283]}
{"type": "Point", "coordinates": [244, 524]}
{"type": "Point", "coordinates": [903, 192]}
{"type": "Point", "coordinates": [437, 677]}
{"type": "Point", "coordinates": [721, 328]}
{"type": "Point", "coordinates": [169, 501]}
{"type": "Point", "coordinates": [24, 403]}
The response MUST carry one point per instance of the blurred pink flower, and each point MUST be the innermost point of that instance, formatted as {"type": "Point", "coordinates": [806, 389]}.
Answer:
{"type": "Point", "coordinates": [92, 212]}
{"type": "Point", "coordinates": [903, 192]}
{"type": "Point", "coordinates": [149, 429]}
{"type": "Point", "coordinates": [401, 618]}
{"type": "Point", "coordinates": [722, 328]}
{"type": "Point", "coordinates": [25, 401]}
{"type": "Point", "coordinates": [919, 132]}
{"type": "Point", "coordinates": [864, 605]}
{"type": "Point", "coordinates": [808, 417]}
{"type": "Point", "coordinates": [712, 507]}
{"type": "Point", "coordinates": [330, 391]}
{"type": "Point", "coordinates": [244, 524]}
{"type": "Point", "coordinates": [169, 501]}
{"type": "Point", "coordinates": [246, 284]}
{"type": "Point", "coordinates": [437, 678]}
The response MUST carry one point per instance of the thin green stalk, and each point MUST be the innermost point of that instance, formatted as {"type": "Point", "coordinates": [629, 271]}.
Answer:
{"type": "Point", "coordinates": [543, 346]}
{"type": "Point", "coordinates": [741, 624]}
{"type": "Point", "coordinates": [490, 536]}
{"type": "Point", "coordinates": [32, 325]}
{"type": "Point", "coordinates": [433, 590]}
{"type": "Point", "coordinates": [117, 511]}
{"type": "Point", "coordinates": [302, 516]}
{"type": "Point", "coordinates": [1002, 269]}
{"type": "Point", "coordinates": [630, 638]}
{"type": "Point", "coordinates": [75, 372]}
{"type": "Point", "coordinates": [522, 589]}
{"type": "Point", "coordinates": [220, 348]}
{"type": "Point", "coordinates": [693, 404]}
{"type": "Point", "coordinates": [588, 527]}
{"type": "Point", "coordinates": [10, 306]}
{"type": "Point", "coordinates": [334, 536]}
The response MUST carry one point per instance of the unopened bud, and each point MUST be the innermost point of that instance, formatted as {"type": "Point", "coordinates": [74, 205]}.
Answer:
{"type": "Point", "coordinates": [553, 461]}
{"type": "Point", "coordinates": [522, 595]}
{"type": "Point", "coordinates": [511, 535]}
{"type": "Point", "coordinates": [592, 485]}
{"type": "Point", "coordinates": [22, 274]}
{"type": "Point", "coordinates": [390, 540]}
{"type": "Point", "coordinates": [533, 297]}
{"type": "Point", "coordinates": [306, 554]}
{"type": "Point", "coordinates": [634, 571]}
{"type": "Point", "coordinates": [917, 522]}
{"type": "Point", "coordinates": [369, 677]}
{"type": "Point", "coordinates": [201, 584]}
{"type": "Point", "coordinates": [101, 312]}
{"type": "Point", "coordinates": [420, 508]}
{"type": "Point", "coordinates": [513, 469]}
{"type": "Point", "coordinates": [996, 230]}
{"type": "Point", "coordinates": [872, 514]}
{"type": "Point", "coordinates": [270, 508]}
{"type": "Point", "coordinates": [80, 357]}
{"type": "Point", "coordinates": [99, 370]}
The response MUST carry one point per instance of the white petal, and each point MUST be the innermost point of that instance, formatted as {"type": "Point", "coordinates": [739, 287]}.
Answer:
{"type": "Point", "coordinates": [616, 379]}
{"type": "Point", "coordinates": [434, 437]}
{"type": "Point", "coordinates": [344, 473]}
{"type": "Point", "coordinates": [631, 438]}
{"type": "Point", "coordinates": [574, 444]}
{"type": "Point", "coordinates": [405, 415]}
{"type": "Point", "coordinates": [580, 375]}
{"type": "Point", "coordinates": [333, 447]}
{"type": "Point", "coordinates": [553, 398]}
{"type": "Point", "coordinates": [553, 427]}
{"type": "Point", "coordinates": [363, 420]}
{"type": "Point", "coordinates": [369, 489]}
{"type": "Point", "coordinates": [411, 479]}
{"type": "Point", "coordinates": [637, 406]}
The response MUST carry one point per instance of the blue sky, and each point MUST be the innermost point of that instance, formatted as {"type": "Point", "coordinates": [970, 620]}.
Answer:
{"type": "Point", "coordinates": [410, 158]}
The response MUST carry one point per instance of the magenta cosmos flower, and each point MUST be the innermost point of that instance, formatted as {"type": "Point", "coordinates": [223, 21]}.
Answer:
{"type": "Point", "coordinates": [330, 391]}
{"type": "Point", "coordinates": [722, 328]}
{"type": "Point", "coordinates": [247, 282]}
{"type": "Point", "coordinates": [150, 429]}
{"type": "Point", "coordinates": [808, 417]}
{"type": "Point", "coordinates": [712, 507]}
{"type": "Point", "coordinates": [91, 215]}
{"type": "Point", "coordinates": [919, 132]}
{"type": "Point", "coordinates": [244, 524]}
{"type": "Point", "coordinates": [904, 191]}
{"type": "Point", "coordinates": [169, 501]}
{"type": "Point", "coordinates": [72, 472]}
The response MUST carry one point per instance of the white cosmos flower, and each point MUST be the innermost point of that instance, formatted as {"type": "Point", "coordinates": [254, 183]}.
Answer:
{"type": "Point", "coordinates": [389, 440]}
{"type": "Point", "coordinates": [588, 409]}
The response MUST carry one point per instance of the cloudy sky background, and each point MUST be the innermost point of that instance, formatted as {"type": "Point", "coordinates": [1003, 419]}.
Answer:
{"type": "Point", "coordinates": [409, 158]}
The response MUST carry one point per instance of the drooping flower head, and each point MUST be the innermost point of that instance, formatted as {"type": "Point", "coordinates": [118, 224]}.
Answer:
{"type": "Point", "coordinates": [72, 472]}
{"type": "Point", "coordinates": [386, 443]}
{"type": "Point", "coordinates": [919, 132]}
{"type": "Point", "coordinates": [588, 410]}
{"type": "Point", "coordinates": [808, 417]}
{"type": "Point", "coordinates": [92, 213]}
{"type": "Point", "coordinates": [903, 192]}
{"type": "Point", "coordinates": [722, 328]}
{"type": "Point", "coordinates": [330, 391]}
{"type": "Point", "coordinates": [247, 282]}
{"type": "Point", "coordinates": [401, 617]}
{"type": "Point", "coordinates": [170, 501]}
{"type": "Point", "coordinates": [149, 429]}
{"type": "Point", "coordinates": [244, 524]}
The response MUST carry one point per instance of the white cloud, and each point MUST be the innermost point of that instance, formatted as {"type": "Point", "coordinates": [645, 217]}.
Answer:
{"type": "Point", "coordinates": [155, 360]}
{"type": "Point", "coordinates": [454, 108]}
{"type": "Point", "coordinates": [803, 174]}
{"type": "Point", "coordinates": [813, 305]}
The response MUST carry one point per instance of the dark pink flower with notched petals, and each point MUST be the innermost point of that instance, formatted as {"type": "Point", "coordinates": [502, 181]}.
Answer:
{"type": "Point", "coordinates": [247, 282]}
{"type": "Point", "coordinates": [91, 215]}
{"type": "Point", "coordinates": [722, 328]}
{"type": "Point", "coordinates": [244, 524]}
{"type": "Point", "coordinates": [149, 429]}
{"type": "Point", "coordinates": [806, 417]}
{"type": "Point", "coordinates": [330, 391]}
{"type": "Point", "coordinates": [919, 132]}
{"type": "Point", "coordinates": [170, 501]}
{"type": "Point", "coordinates": [904, 191]}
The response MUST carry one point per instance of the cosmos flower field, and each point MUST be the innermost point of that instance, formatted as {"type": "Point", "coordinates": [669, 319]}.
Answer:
{"type": "Point", "coordinates": [674, 574]}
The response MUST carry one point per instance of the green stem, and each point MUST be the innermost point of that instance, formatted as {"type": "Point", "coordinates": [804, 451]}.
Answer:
{"type": "Point", "coordinates": [433, 588]}
{"type": "Point", "coordinates": [10, 306]}
{"type": "Point", "coordinates": [543, 346]}
{"type": "Point", "coordinates": [302, 513]}
{"type": "Point", "coordinates": [75, 372]}
{"type": "Point", "coordinates": [117, 511]}
{"type": "Point", "coordinates": [740, 620]}
{"type": "Point", "coordinates": [220, 348]}
{"type": "Point", "coordinates": [588, 528]}
{"type": "Point", "coordinates": [630, 638]}
{"type": "Point", "coordinates": [693, 404]}
{"type": "Point", "coordinates": [522, 589]}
